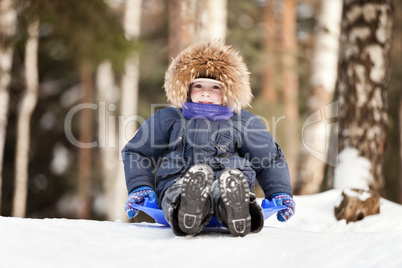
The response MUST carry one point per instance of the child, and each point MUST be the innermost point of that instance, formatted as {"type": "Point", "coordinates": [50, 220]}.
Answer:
{"type": "Point", "coordinates": [207, 152]}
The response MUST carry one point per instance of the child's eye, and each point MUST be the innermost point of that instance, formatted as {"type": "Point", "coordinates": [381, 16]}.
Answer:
{"type": "Point", "coordinates": [198, 86]}
{"type": "Point", "coordinates": [216, 87]}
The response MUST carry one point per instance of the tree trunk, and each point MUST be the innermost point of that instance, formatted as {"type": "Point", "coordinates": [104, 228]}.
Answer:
{"type": "Point", "coordinates": [315, 131]}
{"type": "Point", "coordinates": [85, 136]}
{"type": "Point", "coordinates": [210, 20]}
{"type": "Point", "coordinates": [399, 184]}
{"type": "Point", "coordinates": [217, 22]}
{"type": "Point", "coordinates": [109, 155]}
{"type": "Point", "coordinates": [290, 85]}
{"type": "Point", "coordinates": [397, 62]}
{"type": "Point", "coordinates": [269, 90]}
{"type": "Point", "coordinates": [28, 104]}
{"type": "Point", "coordinates": [181, 25]}
{"type": "Point", "coordinates": [128, 105]}
{"type": "Point", "coordinates": [8, 20]}
{"type": "Point", "coordinates": [195, 21]}
{"type": "Point", "coordinates": [362, 90]}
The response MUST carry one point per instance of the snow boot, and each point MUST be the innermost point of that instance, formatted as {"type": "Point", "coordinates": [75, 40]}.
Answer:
{"type": "Point", "coordinates": [257, 215]}
{"type": "Point", "coordinates": [233, 205]}
{"type": "Point", "coordinates": [195, 209]}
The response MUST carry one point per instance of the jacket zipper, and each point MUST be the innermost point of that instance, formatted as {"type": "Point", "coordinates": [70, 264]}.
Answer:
{"type": "Point", "coordinates": [180, 146]}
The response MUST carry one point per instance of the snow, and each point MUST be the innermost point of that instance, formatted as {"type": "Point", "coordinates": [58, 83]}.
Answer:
{"type": "Point", "coordinates": [353, 170]}
{"type": "Point", "coordinates": [362, 196]}
{"type": "Point", "coordinates": [312, 238]}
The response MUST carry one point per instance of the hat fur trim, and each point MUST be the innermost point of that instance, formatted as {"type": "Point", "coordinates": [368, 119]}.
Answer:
{"type": "Point", "coordinates": [215, 60]}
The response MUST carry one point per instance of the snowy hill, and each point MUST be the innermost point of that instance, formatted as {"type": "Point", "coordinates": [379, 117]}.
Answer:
{"type": "Point", "coordinates": [312, 238]}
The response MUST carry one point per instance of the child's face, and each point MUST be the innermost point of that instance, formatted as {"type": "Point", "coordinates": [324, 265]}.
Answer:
{"type": "Point", "coordinates": [206, 92]}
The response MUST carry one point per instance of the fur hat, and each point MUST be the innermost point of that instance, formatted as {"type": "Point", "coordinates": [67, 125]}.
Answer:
{"type": "Point", "coordinates": [215, 60]}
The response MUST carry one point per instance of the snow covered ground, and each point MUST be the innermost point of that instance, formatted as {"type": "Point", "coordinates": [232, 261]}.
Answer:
{"type": "Point", "coordinates": [312, 238]}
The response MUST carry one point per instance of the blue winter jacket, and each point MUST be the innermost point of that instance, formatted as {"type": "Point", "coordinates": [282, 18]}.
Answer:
{"type": "Point", "coordinates": [167, 144]}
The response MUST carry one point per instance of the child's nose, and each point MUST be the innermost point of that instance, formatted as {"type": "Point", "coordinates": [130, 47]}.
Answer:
{"type": "Point", "coordinates": [205, 94]}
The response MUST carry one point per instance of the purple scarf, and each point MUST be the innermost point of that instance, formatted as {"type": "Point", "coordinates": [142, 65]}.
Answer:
{"type": "Point", "coordinates": [212, 112]}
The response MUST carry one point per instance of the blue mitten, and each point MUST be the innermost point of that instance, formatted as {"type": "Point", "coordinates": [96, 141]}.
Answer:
{"type": "Point", "coordinates": [282, 199]}
{"type": "Point", "coordinates": [137, 197]}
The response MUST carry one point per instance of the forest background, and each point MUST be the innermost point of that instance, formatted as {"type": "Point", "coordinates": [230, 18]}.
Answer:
{"type": "Point", "coordinates": [86, 54]}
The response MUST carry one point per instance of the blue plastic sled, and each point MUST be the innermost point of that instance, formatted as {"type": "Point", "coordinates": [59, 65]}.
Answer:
{"type": "Point", "coordinates": [151, 208]}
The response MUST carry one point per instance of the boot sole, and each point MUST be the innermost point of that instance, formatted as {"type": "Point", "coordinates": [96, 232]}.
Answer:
{"type": "Point", "coordinates": [235, 197]}
{"type": "Point", "coordinates": [197, 184]}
